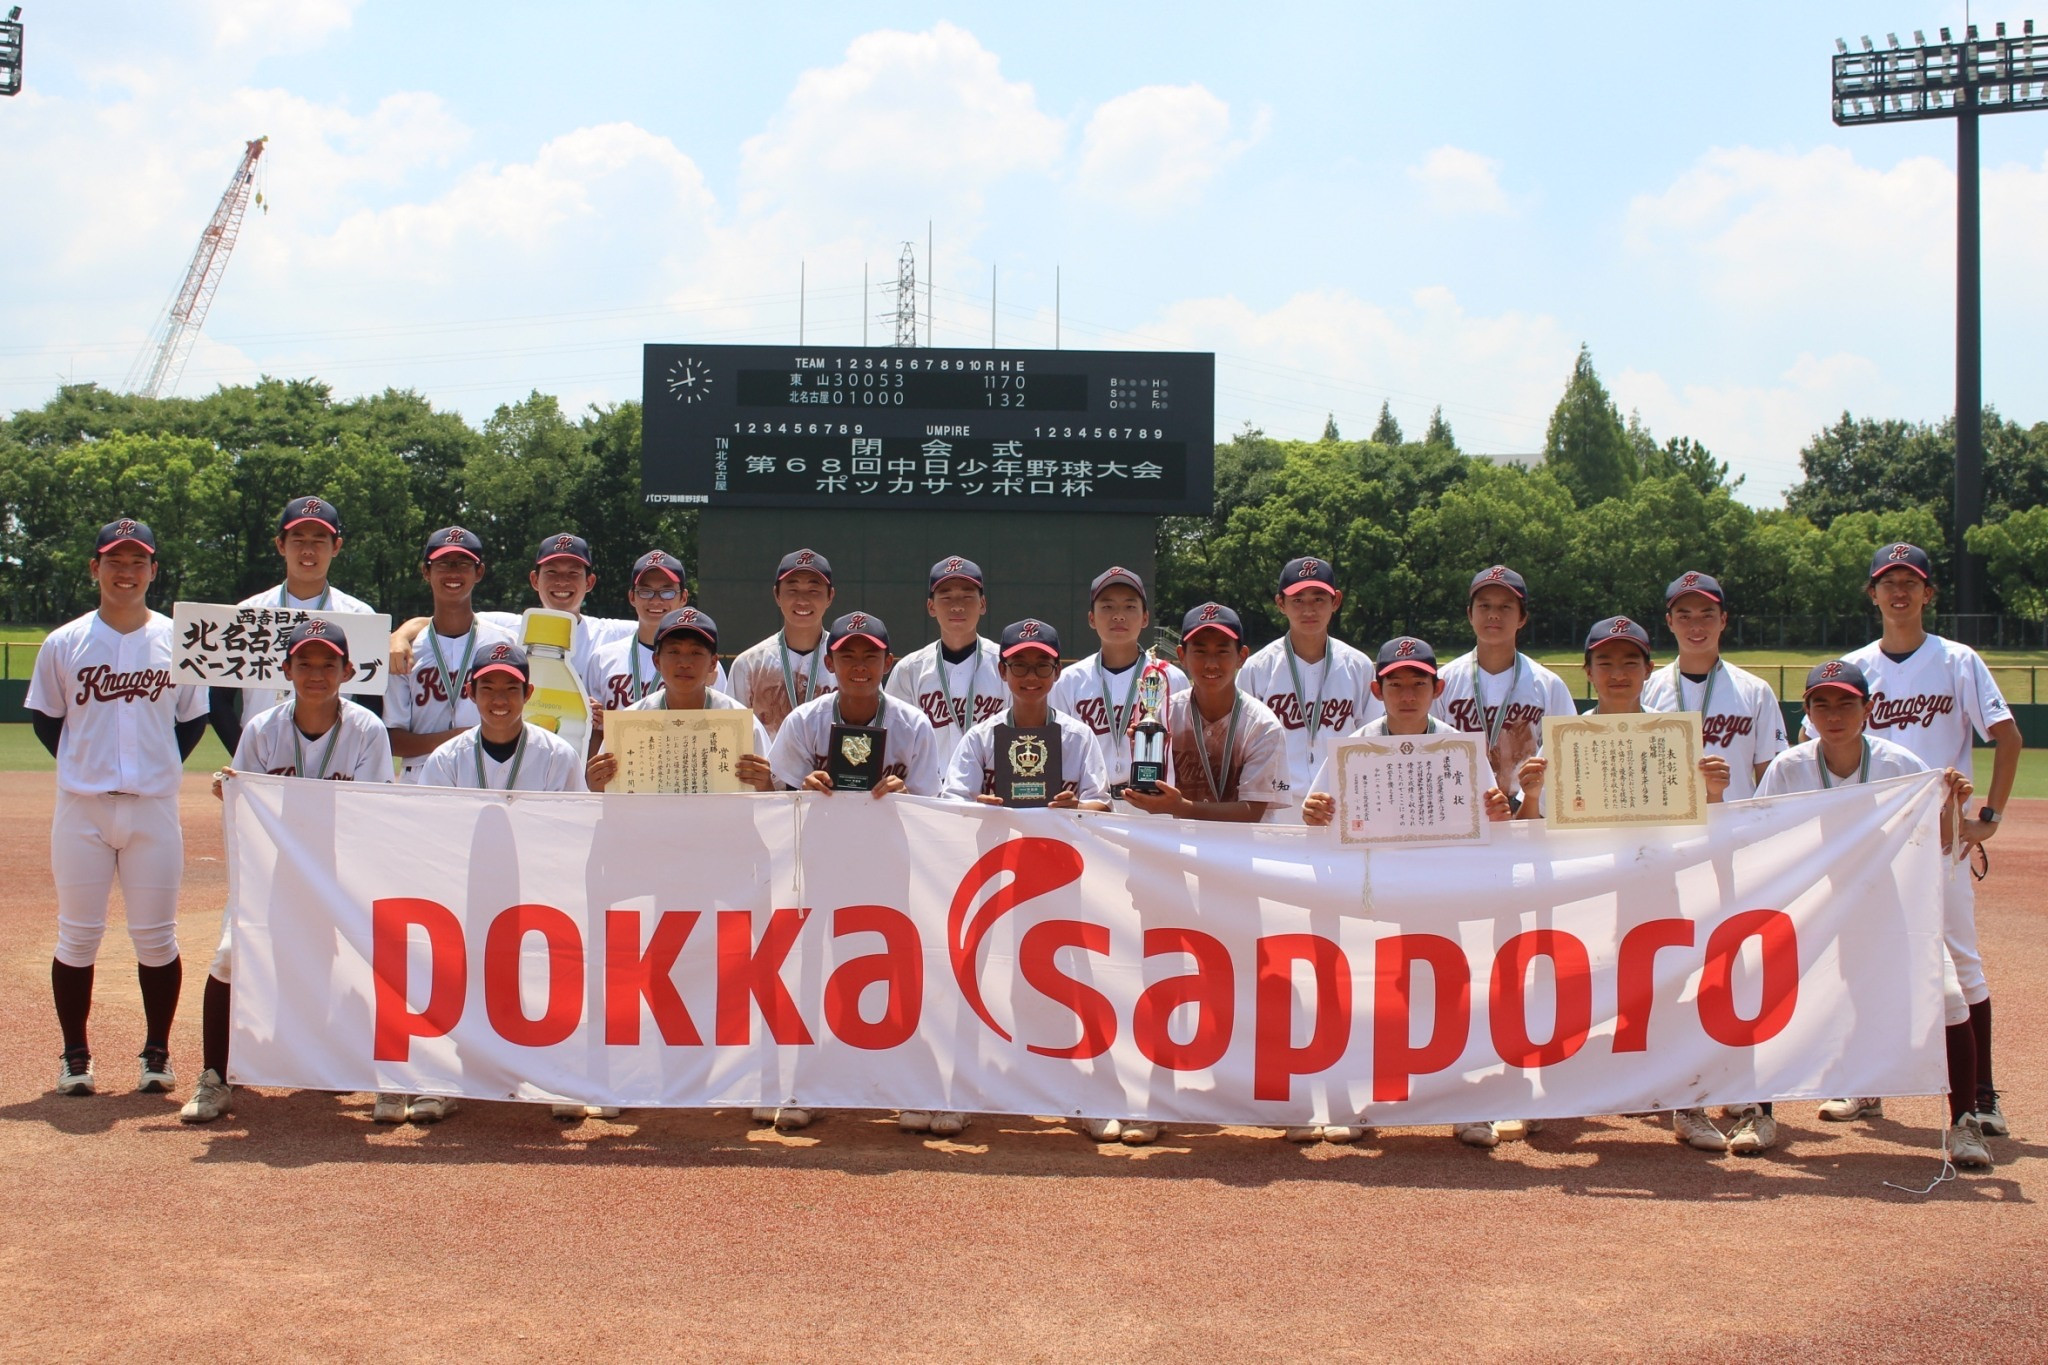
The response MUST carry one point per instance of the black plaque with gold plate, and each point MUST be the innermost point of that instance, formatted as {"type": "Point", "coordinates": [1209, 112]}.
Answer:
{"type": "Point", "coordinates": [1027, 764]}
{"type": "Point", "coordinates": [853, 760]}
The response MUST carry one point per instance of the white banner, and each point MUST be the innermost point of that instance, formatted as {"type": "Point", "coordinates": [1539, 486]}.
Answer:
{"type": "Point", "coordinates": [729, 951]}
{"type": "Point", "coordinates": [216, 646]}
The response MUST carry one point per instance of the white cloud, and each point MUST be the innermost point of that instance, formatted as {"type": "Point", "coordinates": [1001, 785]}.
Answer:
{"type": "Point", "coordinates": [1456, 182]}
{"type": "Point", "coordinates": [1155, 148]}
{"type": "Point", "coordinates": [276, 25]}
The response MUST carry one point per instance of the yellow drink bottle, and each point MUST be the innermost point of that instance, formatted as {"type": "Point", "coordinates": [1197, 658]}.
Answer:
{"type": "Point", "coordinates": [558, 702]}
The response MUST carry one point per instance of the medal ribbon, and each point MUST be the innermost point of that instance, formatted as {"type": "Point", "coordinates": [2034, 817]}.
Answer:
{"type": "Point", "coordinates": [299, 751]}
{"type": "Point", "coordinates": [1862, 776]}
{"type": "Point", "coordinates": [449, 682]}
{"type": "Point", "coordinates": [1312, 720]}
{"type": "Point", "coordinates": [789, 677]}
{"type": "Point", "coordinates": [1116, 714]}
{"type": "Point", "coordinates": [1202, 743]}
{"type": "Point", "coordinates": [946, 688]}
{"type": "Point", "coordinates": [1500, 713]}
{"type": "Point", "coordinates": [518, 757]}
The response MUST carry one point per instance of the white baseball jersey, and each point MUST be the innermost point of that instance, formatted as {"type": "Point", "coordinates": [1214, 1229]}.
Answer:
{"type": "Point", "coordinates": [256, 699]}
{"type": "Point", "coordinates": [543, 762]}
{"type": "Point", "coordinates": [972, 771]}
{"type": "Point", "coordinates": [976, 686]}
{"type": "Point", "coordinates": [1103, 699]}
{"type": "Point", "coordinates": [1932, 700]}
{"type": "Point", "coordinates": [714, 700]}
{"type": "Point", "coordinates": [119, 707]}
{"type": "Point", "coordinates": [1253, 767]}
{"type": "Point", "coordinates": [1740, 719]}
{"type": "Point", "coordinates": [621, 672]}
{"type": "Point", "coordinates": [1325, 776]}
{"type": "Point", "coordinates": [1336, 690]}
{"type": "Point", "coordinates": [585, 636]}
{"type": "Point", "coordinates": [356, 748]}
{"type": "Point", "coordinates": [1473, 701]}
{"type": "Point", "coordinates": [911, 751]}
{"type": "Point", "coordinates": [758, 679]}
{"type": "Point", "coordinates": [429, 700]}
{"type": "Point", "coordinates": [1798, 769]}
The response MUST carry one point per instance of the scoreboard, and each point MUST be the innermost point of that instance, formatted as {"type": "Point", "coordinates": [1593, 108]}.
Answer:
{"type": "Point", "coordinates": [915, 428]}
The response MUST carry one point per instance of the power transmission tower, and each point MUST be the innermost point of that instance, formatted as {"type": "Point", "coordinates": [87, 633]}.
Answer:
{"type": "Point", "coordinates": [906, 297]}
{"type": "Point", "coordinates": [180, 326]}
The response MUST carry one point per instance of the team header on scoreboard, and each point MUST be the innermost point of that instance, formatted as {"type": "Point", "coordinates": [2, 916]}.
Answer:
{"type": "Point", "coordinates": [903, 427]}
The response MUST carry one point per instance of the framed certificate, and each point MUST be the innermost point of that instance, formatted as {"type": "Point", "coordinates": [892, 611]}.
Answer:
{"type": "Point", "coordinates": [1640, 768]}
{"type": "Point", "coordinates": [1405, 790]}
{"type": "Point", "coordinates": [678, 751]}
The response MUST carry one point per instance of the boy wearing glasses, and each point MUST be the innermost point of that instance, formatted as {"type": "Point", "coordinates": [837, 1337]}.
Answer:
{"type": "Point", "coordinates": [621, 672]}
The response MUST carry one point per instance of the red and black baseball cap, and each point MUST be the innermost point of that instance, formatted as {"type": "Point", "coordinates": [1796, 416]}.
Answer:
{"type": "Point", "coordinates": [687, 621]}
{"type": "Point", "coordinates": [1211, 616]}
{"type": "Point", "coordinates": [1309, 572]}
{"type": "Point", "coordinates": [1499, 576]}
{"type": "Point", "coordinates": [502, 658]}
{"type": "Point", "coordinates": [858, 625]}
{"type": "Point", "coordinates": [1028, 634]}
{"type": "Point", "coordinates": [1618, 628]}
{"type": "Point", "coordinates": [454, 540]}
{"type": "Point", "coordinates": [1901, 556]}
{"type": "Point", "coordinates": [318, 511]}
{"type": "Point", "coordinates": [126, 531]}
{"type": "Point", "coordinates": [952, 567]}
{"type": "Point", "coordinates": [563, 546]}
{"type": "Point", "coordinates": [1118, 578]}
{"type": "Point", "coordinates": [804, 561]}
{"type": "Point", "coordinates": [1838, 673]}
{"type": "Point", "coordinates": [1405, 651]}
{"type": "Point", "coordinates": [1692, 581]}
{"type": "Point", "coordinates": [658, 559]}
{"type": "Point", "coordinates": [317, 632]}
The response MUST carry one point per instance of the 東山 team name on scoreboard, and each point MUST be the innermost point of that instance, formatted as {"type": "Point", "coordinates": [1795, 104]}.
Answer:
{"type": "Point", "coordinates": [826, 426]}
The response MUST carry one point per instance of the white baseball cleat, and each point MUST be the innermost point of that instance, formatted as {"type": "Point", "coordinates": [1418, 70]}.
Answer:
{"type": "Point", "coordinates": [1693, 1128]}
{"type": "Point", "coordinates": [947, 1123]}
{"type": "Point", "coordinates": [430, 1108]}
{"type": "Point", "coordinates": [211, 1098]}
{"type": "Point", "coordinates": [1849, 1110]}
{"type": "Point", "coordinates": [74, 1074]}
{"type": "Point", "coordinates": [157, 1076]}
{"type": "Point", "coordinates": [1754, 1132]}
{"type": "Point", "coordinates": [388, 1109]}
{"type": "Point", "coordinates": [1103, 1130]}
{"type": "Point", "coordinates": [1966, 1143]}
{"type": "Point", "coordinates": [914, 1120]}
{"type": "Point", "coordinates": [1138, 1133]}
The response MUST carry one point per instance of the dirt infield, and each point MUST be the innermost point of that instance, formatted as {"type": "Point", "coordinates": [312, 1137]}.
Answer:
{"type": "Point", "coordinates": [296, 1228]}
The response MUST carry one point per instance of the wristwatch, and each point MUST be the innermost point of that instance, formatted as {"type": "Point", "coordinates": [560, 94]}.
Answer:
{"type": "Point", "coordinates": [1988, 816]}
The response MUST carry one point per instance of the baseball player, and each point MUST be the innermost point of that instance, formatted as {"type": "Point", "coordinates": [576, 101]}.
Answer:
{"type": "Point", "coordinates": [1227, 750]}
{"type": "Point", "coordinates": [102, 702]}
{"type": "Point", "coordinates": [1740, 718]}
{"type": "Point", "coordinates": [857, 655]}
{"type": "Point", "coordinates": [426, 706]}
{"type": "Point", "coordinates": [1031, 663]}
{"type": "Point", "coordinates": [622, 671]}
{"type": "Point", "coordinates": [562, 578]}
{"type": "Point", "coordinates": [1101, 691]}
{"type": "Point", "coordinates": [686, 658]}
{"type": "Point", "coordinates": [1839, 702]}
{"type": "Point", "coordinates": [321, 735]}
{"type": "Point", "coordinates": [787, 669]}
{"type": "Point", "coordinates": [309, 536]}
{"type": "Point", "coordinates": [955, 680]}
{"type": "Point", "coordinates": [1928, 694]}
{"type": "Point", "coordinates": [1317, 685]}
{"type": "Point", "coordinates": [1496, 690]}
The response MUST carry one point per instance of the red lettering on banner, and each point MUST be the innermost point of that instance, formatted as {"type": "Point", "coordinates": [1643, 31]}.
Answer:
{"type": "Point", "coordinates": [1395, 1056]}
{"type": "Point", "coordinates": [1035, 958]}
{"type": "Point", "coordinates": [750, 973]}
{"type": "Point", "coordinates": [397, 1026]}
{"type": "Point", "coordinates": [504, 943]}
{"type": "Point", "coordinates": [1276, 1061]}
{"type": "Point", "coordinates": [1773, 928]}
{"type": "Point", "coordinates": [1035, 867]}
{"type": "Point", "coordinates": [1507, 1003]}
{"type": "Point", "coordinates": [631, 976]}
{"type": "Point", "coordinates": [1210, 988]}
{"type": "Point", "coordinates": [1636, 978]}
{"type": "Point", "coordinates": [899, 967]}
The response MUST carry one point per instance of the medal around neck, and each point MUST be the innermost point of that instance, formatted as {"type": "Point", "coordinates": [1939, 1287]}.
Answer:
{"type": "Point", "coordinates": [1148, 741]}
{"type": "Point", "coordinates": [1027, 764]}
{"type": "Point", "coordinates": [853, 758]}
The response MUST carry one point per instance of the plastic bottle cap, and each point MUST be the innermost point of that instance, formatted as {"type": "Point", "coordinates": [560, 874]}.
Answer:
{"type": "Point", "coordinates": [550, 629]}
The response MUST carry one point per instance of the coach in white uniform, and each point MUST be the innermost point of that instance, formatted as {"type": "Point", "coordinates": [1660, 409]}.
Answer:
{"type": "Point", "coordinates": [102, 702]}
{"type": "Point", "coordinates": [1740, 719]}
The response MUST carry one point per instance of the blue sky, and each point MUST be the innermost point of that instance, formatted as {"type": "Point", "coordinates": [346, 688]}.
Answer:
{"type": "Point", "coordinates": [1426, 204]}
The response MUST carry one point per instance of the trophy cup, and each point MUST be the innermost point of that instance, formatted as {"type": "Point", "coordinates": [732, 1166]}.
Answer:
{"type": "Point", "coordinates": [1148, 741]}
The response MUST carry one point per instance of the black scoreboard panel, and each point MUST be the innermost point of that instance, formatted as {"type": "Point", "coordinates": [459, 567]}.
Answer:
{"type": "Point", "coordinates": [912, 428]}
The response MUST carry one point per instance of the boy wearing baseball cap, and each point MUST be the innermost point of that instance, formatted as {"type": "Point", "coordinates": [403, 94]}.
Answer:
{"type": "Point", "coordinates": [1839, 703]}
{"type": "Point", "coordinates": [1740, 718]}
{"type": "Point", "coordinates": [309, 536]}
{"type": "Point", "coordinates": [562, 578]}
{"type": "Point", "coordinates": [621, 671]}
{"type": "Point", "coordinates": [1928, 694]}
{"type": "Point", "coordinates": [1496, 690]}
{"type": "Point", "coordinates": [787, 669]}
{"type": "Point", "coordinates": [1031, 664]}
{"type": "Point", "coordinates": [1318, 686]}
{"type": "Point", "coordinates": [1101, 691]}
{"type": "Point", "coordinates": [321, 735]}
{"type": "Point", "coordinates": [686, 660]}
{"type": "Point", "coordinates": [102, 702]}
{"type": "Point", "coordinates": [1227, 752]}
{"type": "Point", "coordinates": [426, 706]}
{"type": "Point", "coordinates": [955, 680]}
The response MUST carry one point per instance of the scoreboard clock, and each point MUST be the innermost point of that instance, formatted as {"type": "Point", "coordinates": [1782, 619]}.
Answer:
{"type": "Point", "coordinates": [907, 427]}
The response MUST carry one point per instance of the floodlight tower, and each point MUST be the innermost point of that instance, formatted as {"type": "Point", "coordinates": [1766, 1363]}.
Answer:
{"type": "Point", "coordinates": [10, 52]}
{"type": "Point", "coordinates": [1957, 80]}
{"type": "Point", "coordinates": [906, 297]}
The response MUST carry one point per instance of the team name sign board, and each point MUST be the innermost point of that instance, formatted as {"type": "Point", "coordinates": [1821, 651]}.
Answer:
{"type": "Point", "coordinates": [215, 646]}
{"type": "Point", "coordinates": [899, 953]}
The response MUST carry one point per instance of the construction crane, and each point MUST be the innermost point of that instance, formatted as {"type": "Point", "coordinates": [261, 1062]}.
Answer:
{"type": "Point", "coordinates": [171, 342]}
